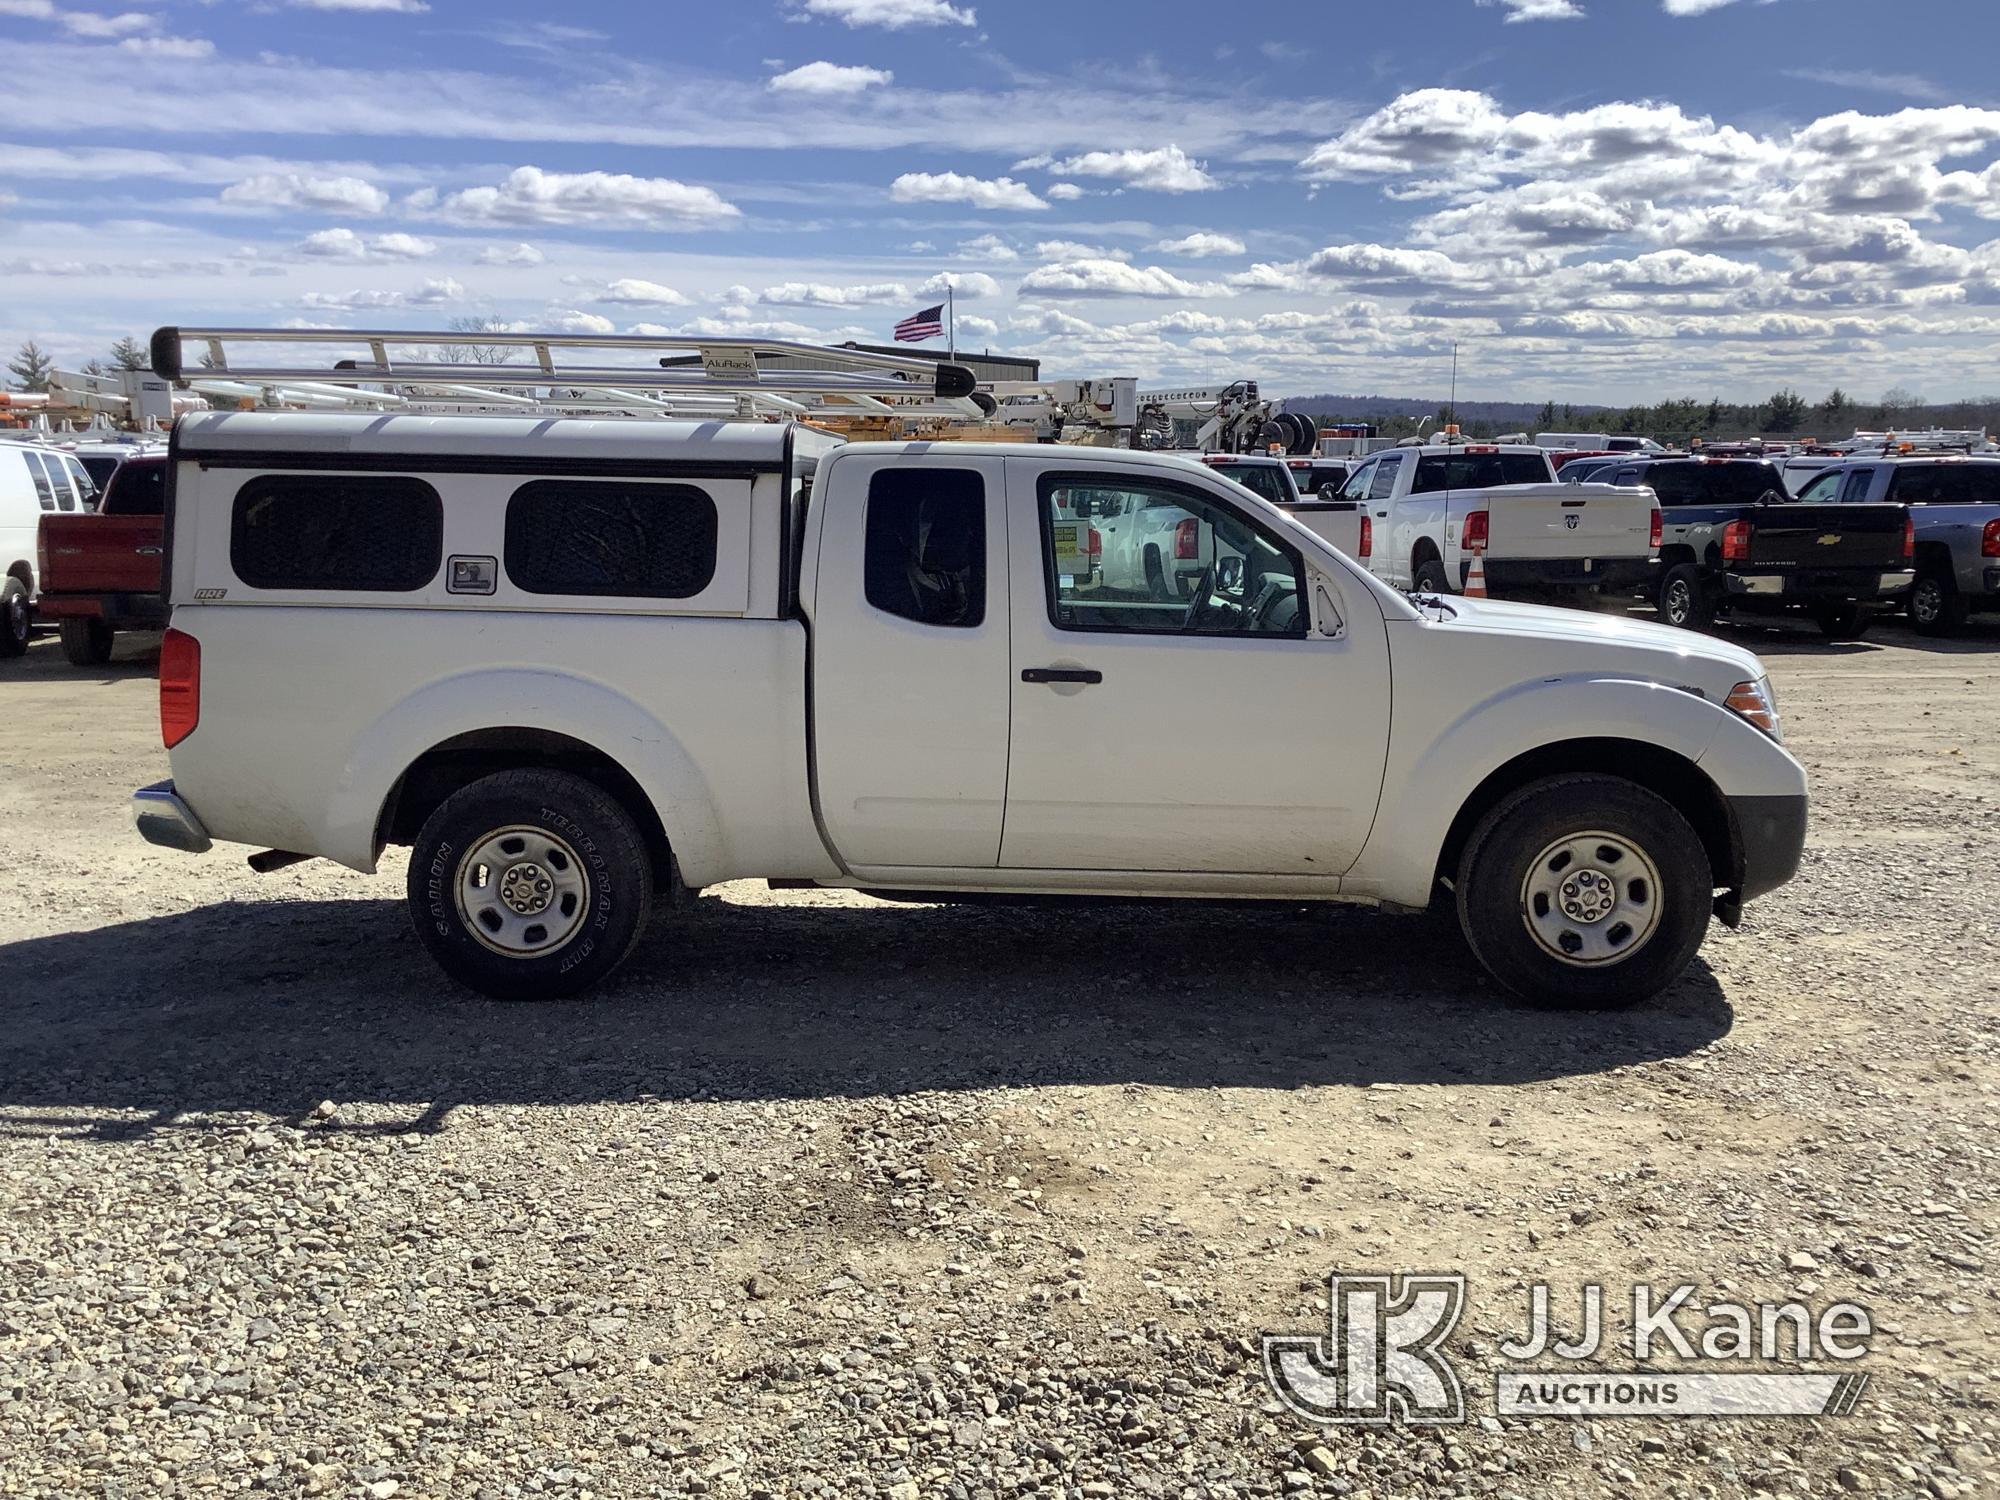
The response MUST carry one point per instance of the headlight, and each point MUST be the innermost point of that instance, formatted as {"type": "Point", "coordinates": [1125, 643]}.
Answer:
{"type": "Point", "coordinates": [1755, 703]}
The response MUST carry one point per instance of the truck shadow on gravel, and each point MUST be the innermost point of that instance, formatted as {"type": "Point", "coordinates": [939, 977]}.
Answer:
{"type": "Point", "coordinates": [272, 1007]}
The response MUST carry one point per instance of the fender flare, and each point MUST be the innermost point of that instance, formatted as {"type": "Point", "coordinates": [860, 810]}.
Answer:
{"type": "Point", "coordinates": [522, 699]}
{"type": "Point", "coordinates": [1422, 800]}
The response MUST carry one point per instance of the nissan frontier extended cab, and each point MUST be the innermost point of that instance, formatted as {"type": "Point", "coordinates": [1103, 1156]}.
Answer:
{"type": "Point", "coordinates": [577, 663]}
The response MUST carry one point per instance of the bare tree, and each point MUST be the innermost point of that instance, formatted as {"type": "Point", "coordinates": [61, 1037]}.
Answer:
{"type": "Point", "coordinates": [477, 354]}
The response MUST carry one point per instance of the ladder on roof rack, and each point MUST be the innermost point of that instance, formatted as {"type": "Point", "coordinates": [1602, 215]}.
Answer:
{"type": "Point", "coordinates": [667, 375]}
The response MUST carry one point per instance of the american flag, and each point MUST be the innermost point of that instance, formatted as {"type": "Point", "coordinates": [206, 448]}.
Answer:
{"type": "Point", "coordinates": [917, 327]}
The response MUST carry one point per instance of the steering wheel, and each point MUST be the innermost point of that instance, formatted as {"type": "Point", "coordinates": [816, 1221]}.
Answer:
{"type": "Point", "coordinates": [1198, 604]}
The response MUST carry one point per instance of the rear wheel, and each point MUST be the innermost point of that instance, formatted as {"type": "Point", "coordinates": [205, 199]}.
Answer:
{"type": "Point", "coordinates": [530, 885]}
{"type": "Point", "coordinates": [14, 617]}
{"type": "Point", "coordinates": [1843, 622]}
{"type": "Point", "coordinates": [1585, 892]}
{"type": "Point", "coordinates": [1936, 605]}
{"type": "Point", "coordinates": [1684, 601]}
{"type": "Point", "coordinates": [1428, 578]}
{"type": "Point", "coordinates": [86, 642]}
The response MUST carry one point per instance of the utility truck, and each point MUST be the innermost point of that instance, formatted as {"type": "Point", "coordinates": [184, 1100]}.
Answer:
{"type": "Point", "coordinates": [577, 664]}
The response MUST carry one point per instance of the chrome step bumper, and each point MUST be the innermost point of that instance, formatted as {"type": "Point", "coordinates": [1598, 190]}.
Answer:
{"type": "Point", "coordinates": [162, 818]}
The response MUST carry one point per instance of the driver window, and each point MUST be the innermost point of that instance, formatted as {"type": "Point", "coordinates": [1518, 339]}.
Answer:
{"type": "Point", "coordinates": [1179, 562]}
{"type": "Point", "coordinates": [1357, 484]}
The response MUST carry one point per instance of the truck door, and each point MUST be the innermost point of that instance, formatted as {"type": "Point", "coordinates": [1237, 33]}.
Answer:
{"type": "Point", "coordinates": [1197, 724]}
{"type": "Point", "coordinates": [910, 659]}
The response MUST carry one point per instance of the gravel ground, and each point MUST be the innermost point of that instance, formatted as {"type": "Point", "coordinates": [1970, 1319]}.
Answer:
{"type": "Point", "coordinates": [825, 1196]}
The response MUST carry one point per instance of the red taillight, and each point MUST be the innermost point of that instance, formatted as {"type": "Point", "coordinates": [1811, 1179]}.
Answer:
{"type": "Point", "coordinates": [1475, 530]}
{"type": "Point", "coordinates": [1367, 537]}
{"type": "Point", "coordinates": [1657, 533]}
{"type": "Point", "coordinates": [1736, 542]}
{"type": "Point", "coordinates": [180, 686]}
{"type": "Point", "coordinates": [1989, 539]}
{"type": "Point", "coordinates": [1187, 540]}
{"type": "Point", "coordinates": [1096, 542]}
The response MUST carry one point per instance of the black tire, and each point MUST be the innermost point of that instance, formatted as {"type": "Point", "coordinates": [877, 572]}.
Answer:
{"type": "Point", "coordinates": [1506, 850]}
{"type": "Point", "coordinates": [15, 617]}
{"type": "Point", "coordinates": [1428, 578]}
{"type": "Point", "coordinates": [86, 642]}
{"type": "Point", "coordinates": [1684, 600]}
{"type": "Point", "coordinates": [1843, 622]}
{"type": "Point", "coordinates": [1936, 606]}
{"type": "Point", "coordinates": [555, 818]}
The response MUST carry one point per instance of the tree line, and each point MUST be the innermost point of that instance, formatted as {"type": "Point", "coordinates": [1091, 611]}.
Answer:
{"type": "Point", "coordinates": [1680, 422]}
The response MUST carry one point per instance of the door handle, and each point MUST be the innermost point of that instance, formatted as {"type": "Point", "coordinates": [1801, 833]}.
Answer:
{"type": "Point", "coordinates": [146, 551]}
{"type": "Point", "coordinates": [1061, 674]}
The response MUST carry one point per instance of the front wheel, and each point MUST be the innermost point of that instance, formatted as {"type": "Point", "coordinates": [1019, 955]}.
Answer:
{"type": "Point", "coordinates": [530, 885]}
{"type": "Point", "coordinates": [1584, 891]}
{"type": "Point", "coordinates": [14, 618]}
{"type": "Point", "coordinates": [1843, 622]}
{"type": "Point", "coordinates": [85, 642]}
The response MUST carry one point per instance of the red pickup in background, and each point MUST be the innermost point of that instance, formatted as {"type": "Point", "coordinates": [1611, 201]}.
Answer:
{"type": "Point", "coordinates": [101, 571]}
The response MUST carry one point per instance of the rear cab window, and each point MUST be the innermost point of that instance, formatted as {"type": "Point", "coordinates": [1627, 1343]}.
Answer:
{"type": "Point", "coordinates": [138, 489]}
{"type": "Point", "coordinates": [1477, 471]}
{"type": "Point", "coordinates": [1266, 480]}
{"type": "Point", "coordinates": [1947, 484]}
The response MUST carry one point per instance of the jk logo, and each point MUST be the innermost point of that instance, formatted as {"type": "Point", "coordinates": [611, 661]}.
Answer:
{"type": "Point", "coordinates": [1380, 1359]}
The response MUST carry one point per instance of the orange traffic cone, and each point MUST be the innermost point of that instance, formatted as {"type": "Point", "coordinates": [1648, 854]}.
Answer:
{"type": "Point", "coordinates": [1475, 577]}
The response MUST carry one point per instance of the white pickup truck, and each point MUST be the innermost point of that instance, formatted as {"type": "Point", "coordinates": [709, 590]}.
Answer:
{"type": "Point", "coordinates": [1432, 505]}
{"type": "Point", "coordinates": [576, 664]}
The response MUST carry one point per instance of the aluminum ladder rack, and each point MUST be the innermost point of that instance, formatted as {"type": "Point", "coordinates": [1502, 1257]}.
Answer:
{"type": "Point", "coordinates": [668, 375]}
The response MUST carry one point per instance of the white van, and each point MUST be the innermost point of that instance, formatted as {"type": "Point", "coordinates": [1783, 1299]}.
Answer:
{"type": "Point", "coordinates": [34, 480]}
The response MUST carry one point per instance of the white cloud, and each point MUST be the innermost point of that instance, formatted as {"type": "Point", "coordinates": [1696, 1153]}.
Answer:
{"type": "Point", "coordinates": [966, 286]}
{"type": "Point", "coordinates": [297, 190]}
{"type": "Point", "coordinates": [1113, 278]}
{"type": "Point", "coordinates": [632, 292]}
{"type": "Point", "coordinates": [894, 15]}
{"type": "Point", "coordinates": [1065, 192]}
{"type": "Point", "coordinates": [511, 255]}
{"type": "Point", "coordinates": [99, 27]}
{"type": "Point", "coordinates": [183, 47]}
{"type": "Point", "coordinates": [1202, 245]}
{"type": "Point", "coordinates": [426, 294]}
{"type": "Point", "coordinates": [987, 247]}
{"type": "Point", "coordinates": [1693, 7]}
{"type": "Point", "coordinates": [952, 187]}
{"type": "Point", "coordinates": [820, 294]}
{"type": "Point", "coordinates": [1165, 169]}
{"type": "Point", "coordinates": [345, 244]}
{"type": "Point", "coordinates": [1540, 10]}
{"type": "Point", "coordinates": [1072, 250]}
{"type": "Point", "coordinates": [830, 80]}
{"type": "Point", "coordinates": [400, 7]}
{"type": "Point", "coordinates": [529, 195]}
{"type": "Point", "coordinates": [984, 328]}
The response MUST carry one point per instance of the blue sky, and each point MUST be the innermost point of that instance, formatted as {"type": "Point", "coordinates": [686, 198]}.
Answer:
{"type": "Point", "coordinates": [1613, 200]}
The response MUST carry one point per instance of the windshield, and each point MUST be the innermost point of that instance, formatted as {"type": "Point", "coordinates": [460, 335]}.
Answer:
{"type": "Point", "coordinates": [1478, 471]}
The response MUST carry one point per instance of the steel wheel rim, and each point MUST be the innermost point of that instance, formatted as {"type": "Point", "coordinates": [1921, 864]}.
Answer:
{"type": "Point", "coordinates": [1680, 601]}
{"type": "Point", "coordinates": [17, 617]}
{"type": "Point", "coordinates": [1592, 899]}
{"type": "Point", "coordinates": [1927, 601]}
{"type": "Point", "coordinates": [522, 891]}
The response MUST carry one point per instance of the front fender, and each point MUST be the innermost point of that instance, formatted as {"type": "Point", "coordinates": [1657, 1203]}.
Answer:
{"type": "Point", "coordinates": [1434, 768]}
{"type": "Point", "coordinates": [522, 699]}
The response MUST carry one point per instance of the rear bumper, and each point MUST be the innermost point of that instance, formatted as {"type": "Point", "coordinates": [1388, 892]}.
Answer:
{"type": "Point", "coordinates": [1611, 575]}
{"type": "Point", "coordinates": [162, 818]}
{"type": "Point", "coordinates": [1770, 839]}
{"type": "Point", "coordinates": [125, 611]}
{"type": "Point", "coordinates": [1818, 584]}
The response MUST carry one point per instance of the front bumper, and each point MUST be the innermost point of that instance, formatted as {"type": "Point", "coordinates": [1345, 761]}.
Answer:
{"type": "Point", "coordinates": [162, 818]}
{"type": "Point", "coordinates": [1819, 585]}
{"type": "Point", "coordinates": [1608, 575]}
{"type": "Point", "coordinates": [1770, 839]}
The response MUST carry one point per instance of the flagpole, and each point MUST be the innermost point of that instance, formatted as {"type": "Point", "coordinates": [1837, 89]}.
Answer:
{"type": "Point", "coordinates": [951, 320]}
